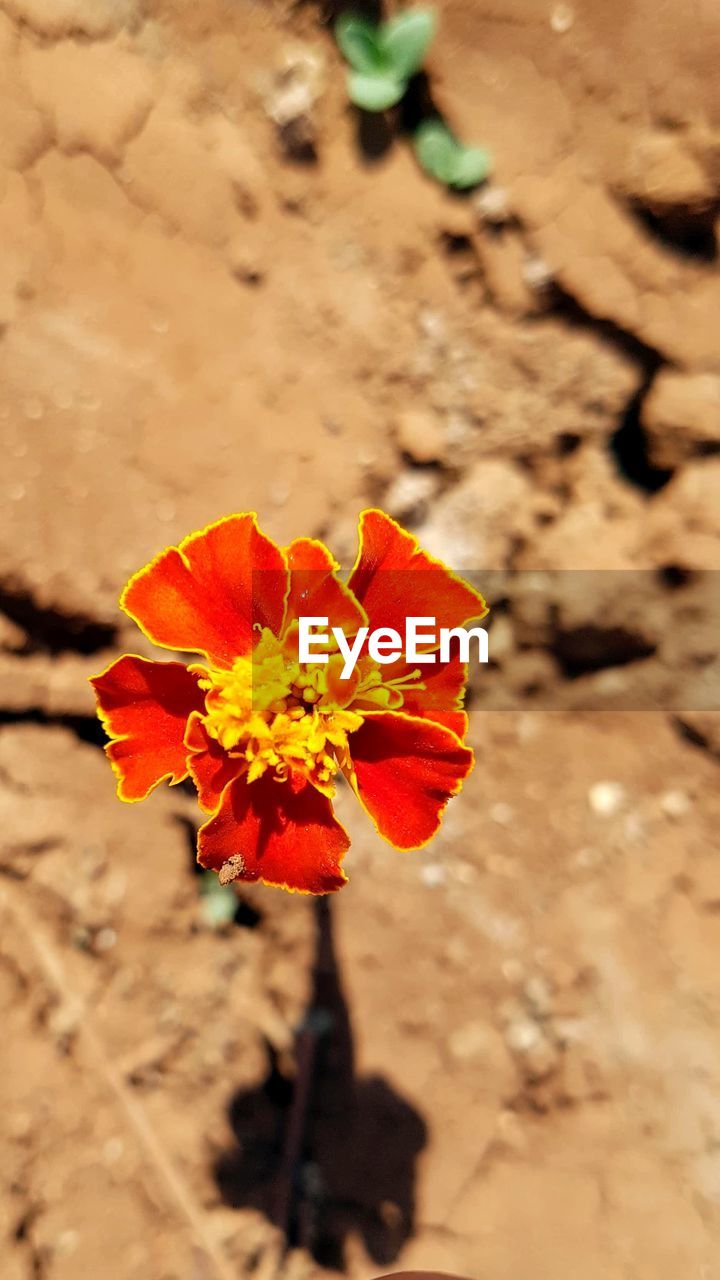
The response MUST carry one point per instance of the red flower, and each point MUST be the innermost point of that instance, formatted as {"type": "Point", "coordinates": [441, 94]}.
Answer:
{"type": "Point", "coordinates": [263, 735]}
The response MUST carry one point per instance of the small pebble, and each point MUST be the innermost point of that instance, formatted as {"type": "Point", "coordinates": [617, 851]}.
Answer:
{"type": "Point", "coordinates": [433, 874]}
{"type": "Point", "coordinates": [105, 939]}
{"type": "Point", "coordinates": [538, 995]}
{"type": "Point", "coordinates": [606, 798]}
{"type": "Point", "coordinates": [536, 273]}
{"type": "Point", "coordinates": [432, 326]}
{"type": "Point", "coordinates": [502, 639]}
{"type": "Point", "coordinates": [562, 18]}
{"type": "Point", "coordinates": [675, 804]}
{"type": "Point", "coordinates": [535, 1055]}
{"type": "Point", "coordinates": [420, 435]}
{"type": "Point", "coordinates": [408, 493]}
{"type": "Point", "coordinates": [522, 1035]}
{"type": "Point", "coordinates": [491, 205]}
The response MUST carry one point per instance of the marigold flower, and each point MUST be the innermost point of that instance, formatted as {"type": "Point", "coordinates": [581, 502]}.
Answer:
{"type": "Point", "coordinates": [262, 735]}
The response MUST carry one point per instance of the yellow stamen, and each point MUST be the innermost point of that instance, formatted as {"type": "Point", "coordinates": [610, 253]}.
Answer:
{"type": "Point", "coordinates": [280, 717]}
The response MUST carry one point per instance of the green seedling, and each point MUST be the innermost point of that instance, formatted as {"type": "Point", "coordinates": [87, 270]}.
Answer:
{"type": "Point", "coordinates": [447, 160]}
{"type": "Point", "coordinates": [219, 902]}
{"type": "Point", "coordinates": [383, 57]}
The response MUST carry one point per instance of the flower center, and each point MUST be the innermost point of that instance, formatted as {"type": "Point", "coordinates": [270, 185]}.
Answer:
{"type": "Point", "coordinates": [289, 718]}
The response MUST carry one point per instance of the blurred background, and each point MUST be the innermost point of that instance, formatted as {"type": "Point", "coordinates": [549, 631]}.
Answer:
{"type": "Point", "coordinates": [220, 290]}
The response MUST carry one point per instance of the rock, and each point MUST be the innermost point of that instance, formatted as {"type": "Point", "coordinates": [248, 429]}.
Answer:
{"type": "Point", "coordinates": [95, 95]}
{"type": "Point", "coordinates": [661, 173]}
{"type": "Point", "coordinates": [409, 494]}
{"type": "Point", "coordinates": [492, 205]}
{"type": "Point", "coordinates": [683, 525]}
{"type": "Point", "coordinates": [502, 638]}
{"type": "Point", "coordinates": [55, 686]}
{"type": "Point", "coordinates": [675, 804]}
{"type": "Point", "coordinates": [180, 168]}
{"type": "Point", "coordinates": [503, 260]}
{"type": "Point", "coordinates": [529, 390]}
{"type": "Point", "coordinates": [292, 97]}
{"type": "Point", "coordinates": [534, 1053]}
{"type": "Point", "coordinates": [606, 798]}
{"type": "Point", "coordinates": [536, 273]}
{"type": "Point", "coordinates": [562, 18]}
{"type": "Point", "coordinates": [53, 18]}
{"type": "Point", "coordinates": [538, 995]}
{"type": "Point", "coordinates": [586, 536]}
{"type": "Point", "coordinates": [236, 158]}
{"type": "Point", "coordinates": [419, 434]}
{"type": "Point", "coordinates": [433, 875]}
{"type": "Point", "coordinates": [681, 416]}
{"type": "Point", "coordinates": [612, 268]}
{"type": "Point", "coordinates": [475, 524]}
{"type": "Point", "coordinates": [246, 261]}
{"type": "Point", "coordinates": [24, 132]}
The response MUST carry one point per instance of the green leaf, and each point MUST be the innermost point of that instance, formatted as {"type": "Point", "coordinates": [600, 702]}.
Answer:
{"type": "Point", "coordinates": [472, 166]}
{"type": "Point", "coordinates": [359, 43]}
{"type": "Point", "coordinates": [436, 150]}
{"type": "Point", "coordinates": [374, 93]}
{"type": "Point", "coordinates": [446, 159]}
{"type": "Point", "coordinates": [405, 40]}
{"type": "Point", "coordinates": [219, 903]}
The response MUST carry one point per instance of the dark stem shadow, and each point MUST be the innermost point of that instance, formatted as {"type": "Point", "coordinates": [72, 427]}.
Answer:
{"type": "Point", "coordinates": [375, 133]}
{"type": "Point", "coordinates": [327, 1152]}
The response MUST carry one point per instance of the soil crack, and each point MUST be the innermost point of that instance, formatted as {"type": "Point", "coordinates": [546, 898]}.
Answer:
{"type": "Point", "coordinates": [50, 629]}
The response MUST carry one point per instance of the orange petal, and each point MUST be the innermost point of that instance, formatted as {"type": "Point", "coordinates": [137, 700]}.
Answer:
{"type": "Point", "coordinates": [405, 770]}
{"type": "Point", "coordinates": [316, 592]}
{"type": "Point", "coordinates": [441, 699]}
{"type": "Point", "coordinates": [144, 707]}
{"type": "Point", "coordinates": [393, 579]}
{"type": "Point", "coordinates": [209, 765]}
{"type": "Point", "coordinates": [282, 837]}
{"type": "Point", "coordinates": [206, 595]}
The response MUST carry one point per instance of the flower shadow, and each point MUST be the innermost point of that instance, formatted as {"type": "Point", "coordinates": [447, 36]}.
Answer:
{"type": "Point", "coordinates": [325, 1153]}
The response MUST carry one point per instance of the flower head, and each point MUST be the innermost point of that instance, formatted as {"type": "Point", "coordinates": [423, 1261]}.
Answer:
{"type": "Point", "coordinates": [263, 734]}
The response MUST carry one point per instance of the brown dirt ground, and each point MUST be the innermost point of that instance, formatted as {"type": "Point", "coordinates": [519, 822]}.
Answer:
{"type": "Point", "coordinates": [522, 1074]}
